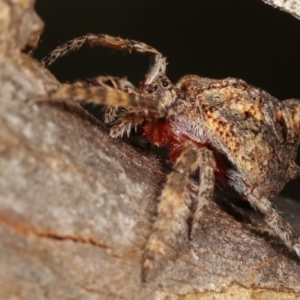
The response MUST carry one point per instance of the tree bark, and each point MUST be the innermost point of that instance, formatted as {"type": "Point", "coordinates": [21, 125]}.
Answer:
{"type": "Point", "coordinates": [290, 6]}
{"type": "Point", "coordinates": [77, 207]}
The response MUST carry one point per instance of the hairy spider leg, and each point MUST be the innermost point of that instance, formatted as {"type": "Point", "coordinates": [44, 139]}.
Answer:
{"type": "Point", "coordinates": [174, 202]}
{"type": "Point", "coordinates": [83, 93]}
{"type": "Point", "coordinates": [103, 40]}
{"type": "Point", "coordinates": [272, 218]}
{"type": "Point", "coordinates": [122, 84]}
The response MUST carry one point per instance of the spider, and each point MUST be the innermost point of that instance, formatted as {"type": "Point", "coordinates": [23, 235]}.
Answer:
{"type": "Point", "coordinates": [226, 130]}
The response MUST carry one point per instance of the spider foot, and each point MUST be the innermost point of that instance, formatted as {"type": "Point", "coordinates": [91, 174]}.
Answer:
{"type": "Point", "coordinates": [194, 228]}
{"type": "Point", "coordinates": [154, 251]}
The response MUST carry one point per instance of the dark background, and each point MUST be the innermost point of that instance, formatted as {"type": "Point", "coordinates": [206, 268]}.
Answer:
{"type": "Point", "coordinates": [245, 39]}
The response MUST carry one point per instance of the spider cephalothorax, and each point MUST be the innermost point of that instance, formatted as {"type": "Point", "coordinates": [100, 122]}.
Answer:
{"type": "Point", "coordinates": [226, 129]}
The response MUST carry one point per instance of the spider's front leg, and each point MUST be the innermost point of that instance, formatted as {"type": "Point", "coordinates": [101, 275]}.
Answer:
{"type": "Point", "coordinates": [121, 84]}
{"type": "Point", "coordinates": [104, 40]}
{"type": "Point", "coordinates": [207, 165]}
{"type": "Point", "coordinates": [99, 91]}
{"type": "Point", "coordinates": [175, 200]}
{"type": "Point", "coordinates": [130, 118]}
{"type": "Point", "coordinates": [84, 93]}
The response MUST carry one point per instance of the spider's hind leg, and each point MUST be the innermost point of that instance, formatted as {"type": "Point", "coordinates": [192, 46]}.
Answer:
{"type": "Point", "coordinates": [281, 227]}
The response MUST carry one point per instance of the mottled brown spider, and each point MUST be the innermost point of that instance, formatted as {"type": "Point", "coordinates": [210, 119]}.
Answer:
{"type": "Point", "coordinates": [227, 130]}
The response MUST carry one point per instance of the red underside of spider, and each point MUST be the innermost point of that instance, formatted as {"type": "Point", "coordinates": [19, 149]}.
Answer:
{"type": "Point", "coordinates": [161, 133]}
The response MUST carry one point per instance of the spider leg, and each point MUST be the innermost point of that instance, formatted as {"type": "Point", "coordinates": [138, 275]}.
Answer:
{"type": "Point", "coordinates": [129, 119]}
{"type": "Point", "coordinates": [110, 113]}
{"type": "Point", "coordinates": [118, 83]}
{"type": "Point", "coordinates": [83, 93]}
{"type": "Point", "coordinates": [281, 227]}
{"type": "Point", "coordinates": [103, 40]}
{"type": "Point", "coordinates": [207, 165]}
{"type": "Point", "coordinates": [121, 84]}
{"type": "Point", "coordinates": [173, 206]}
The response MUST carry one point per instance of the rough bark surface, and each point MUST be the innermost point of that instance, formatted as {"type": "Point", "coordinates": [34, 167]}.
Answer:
{"type": "Point", "coordinates": [76, 207]}
{"type": "Point", "coordinates": [290, 6]}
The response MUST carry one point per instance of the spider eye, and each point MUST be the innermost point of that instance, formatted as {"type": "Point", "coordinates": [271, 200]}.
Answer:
{"type": "Point", "coordinates": [165, 83]}
{"type": "Point", "coordinates": [155, 87]}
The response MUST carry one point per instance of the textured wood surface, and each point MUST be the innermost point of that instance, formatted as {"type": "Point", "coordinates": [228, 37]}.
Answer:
{"type": "Point", "coordinates": [76, 207]}
{"type": "Point", "coordinates": [290, 6]}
